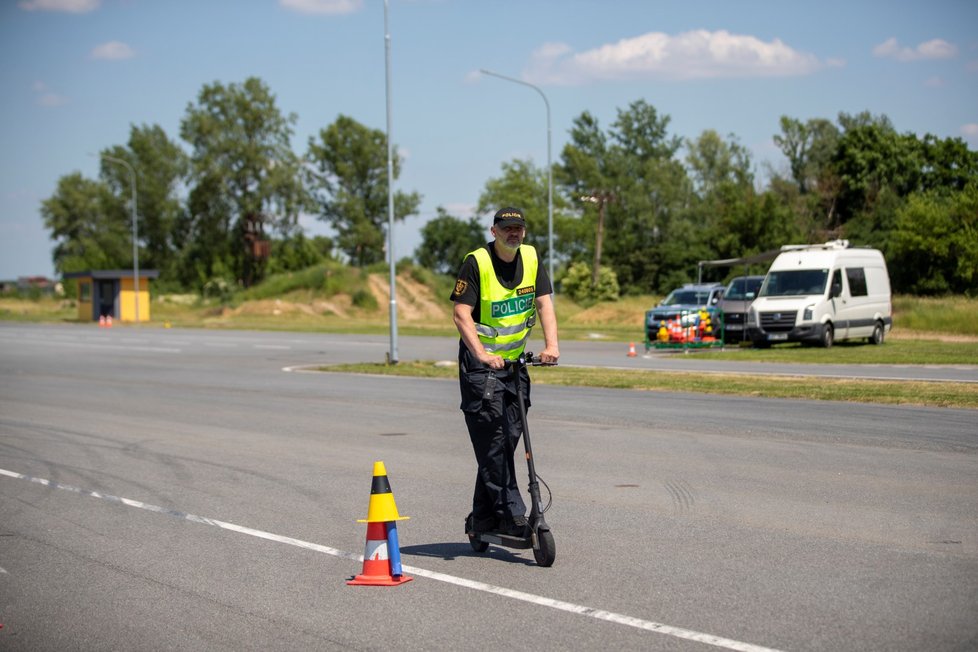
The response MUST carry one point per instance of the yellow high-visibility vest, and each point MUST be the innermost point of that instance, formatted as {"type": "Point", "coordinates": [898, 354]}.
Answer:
{"type": "Point", "coordinates": [506, 316]}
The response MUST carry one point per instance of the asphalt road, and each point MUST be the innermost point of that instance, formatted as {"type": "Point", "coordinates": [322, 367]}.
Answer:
{"type": "Point", "coordinates": [180, 489]}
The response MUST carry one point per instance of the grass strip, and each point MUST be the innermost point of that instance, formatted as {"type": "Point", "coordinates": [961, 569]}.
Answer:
{"type": "Point", "coordinates": [894, 392]}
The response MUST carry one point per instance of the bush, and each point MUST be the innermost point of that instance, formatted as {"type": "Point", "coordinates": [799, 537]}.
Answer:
{"type": "Point", "coordinates": [364, 299]}
{"type": "Point", "coordinates": [218, 288]}
{"type": "Point", "coordinates": [576, 283]}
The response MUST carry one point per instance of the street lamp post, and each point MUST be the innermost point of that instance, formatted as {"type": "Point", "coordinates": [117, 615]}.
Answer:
{"type": "Point", "coordinates": [599, 198]}
{"type": "Point", "coordinates": [550, 172]}
{"type": "Point", "coordinates": [392, 356]}
{"type": "Point", "coordinates": [135, 230]}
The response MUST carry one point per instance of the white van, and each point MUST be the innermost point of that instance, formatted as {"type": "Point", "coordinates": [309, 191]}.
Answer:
{"type": "Point", "coordinates": [820, 294]}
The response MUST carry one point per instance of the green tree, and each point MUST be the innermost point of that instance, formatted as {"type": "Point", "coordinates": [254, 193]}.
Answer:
{"type": "Point", "coordinates": [714, 163]}
{"type": "Point", "coordinates": [297, 252]}
{"type": "Point", "coordinates": [88, 225]}
{"type": "Point", "coordinates": [161, 167]}
{"type": "Point", "coordinates": [809, 148]}
{"type": "Point", "coordinates": [634, 166]}
{"type": "Point", "coordinates": [948, 164]}
{"type": "Point", "coordinates": [720, 172]}
{"type": "Point", "coordinates": [446, 239]}
{"type": "Point", "coordinates": [934, 247]}
{"type": "Point", "coordinates": [525, 186]}
{"type": "Point", "coordinates": [244, 172]}
{"type": "Point", "coordinates": [207, 246]}
{"type": "Point", "coordinates": [351, 187]}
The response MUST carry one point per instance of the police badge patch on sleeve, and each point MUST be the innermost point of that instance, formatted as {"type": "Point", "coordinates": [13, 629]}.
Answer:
{"type": "Point", "coordinates": [460, 286]}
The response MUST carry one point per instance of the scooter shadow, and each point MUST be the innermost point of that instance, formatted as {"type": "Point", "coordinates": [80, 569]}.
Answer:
{"type": "Point", "coordinates": [452, 551]}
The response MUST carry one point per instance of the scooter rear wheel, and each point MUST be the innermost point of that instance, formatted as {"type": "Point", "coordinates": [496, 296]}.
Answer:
{"type": "Point", "coordinates": [547, 552]}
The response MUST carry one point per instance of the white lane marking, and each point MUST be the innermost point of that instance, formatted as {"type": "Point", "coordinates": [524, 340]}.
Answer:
{"type": "Point", "coordinates": [570, 607]}
{"type": "Point", "coordinates": [113, 347]}
{"type": "Point", "coordinates": [271, 346]}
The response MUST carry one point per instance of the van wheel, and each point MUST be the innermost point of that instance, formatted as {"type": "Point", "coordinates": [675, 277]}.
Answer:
{"type": "Point", "coordinates": [878, 333]}
{"type": "Point", "coordinates": [828, 336]}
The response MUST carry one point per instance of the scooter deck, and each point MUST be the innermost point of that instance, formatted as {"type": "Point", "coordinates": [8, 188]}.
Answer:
{"type": "Point", "coordinates": [499, 539]}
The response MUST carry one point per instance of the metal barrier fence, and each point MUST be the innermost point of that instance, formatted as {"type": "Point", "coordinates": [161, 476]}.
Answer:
{"type": "Point", "coordinates": [686, 329]}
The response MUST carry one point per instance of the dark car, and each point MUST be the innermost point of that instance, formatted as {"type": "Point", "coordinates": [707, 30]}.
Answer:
{"type": "Point", "coordinates": [740, 293]}
{"type": "Point", "coordinates": [684, 304]}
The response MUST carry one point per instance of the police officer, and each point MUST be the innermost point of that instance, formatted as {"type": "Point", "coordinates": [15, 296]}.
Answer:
{"type": "Point", "coordinates": [501, 292]}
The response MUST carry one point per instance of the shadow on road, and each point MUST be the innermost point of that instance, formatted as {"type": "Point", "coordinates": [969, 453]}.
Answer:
{"type": "Point", "coordinates": [452, 551]}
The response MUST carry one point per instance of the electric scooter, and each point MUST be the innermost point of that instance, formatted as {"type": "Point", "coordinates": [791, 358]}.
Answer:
{"type": "Point", "coordinates": [541, 539]}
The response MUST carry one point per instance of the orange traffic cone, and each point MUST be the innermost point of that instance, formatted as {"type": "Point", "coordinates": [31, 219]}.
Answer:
{"type": "Point", "coordinates": [108, 321]}
{"type": "Point", "coordinates": [381, 556]}
{"type": "Point", "coordinates": [631, 350]}
{"type": "Point", "coordinates": [101, 321]}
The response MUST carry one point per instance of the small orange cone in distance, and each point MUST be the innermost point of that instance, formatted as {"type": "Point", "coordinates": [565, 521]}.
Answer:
{"type": "Point", "coordinates": [631, 350]}
{"type": "Point", "coordinates": [101, 321]}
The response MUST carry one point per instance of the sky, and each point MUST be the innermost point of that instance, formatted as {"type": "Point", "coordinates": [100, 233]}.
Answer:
{"type": "Point", "coordinates": [75, 75]}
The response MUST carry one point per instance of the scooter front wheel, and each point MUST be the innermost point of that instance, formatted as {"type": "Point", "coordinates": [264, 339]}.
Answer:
{"type": "Point", "coordinates": [546, 553]}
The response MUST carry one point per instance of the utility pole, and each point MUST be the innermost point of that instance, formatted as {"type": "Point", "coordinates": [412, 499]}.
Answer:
{"type": "Point", "coordinates": [550, 171]}
{"type": "Point", "coordinates": [601, 198]}
{"type": "Point", "coordinates": [392, 354]}
{"type": "Point", "coordinates": [135, 231]}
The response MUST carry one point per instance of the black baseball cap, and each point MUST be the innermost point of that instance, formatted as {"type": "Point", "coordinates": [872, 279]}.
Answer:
{"type": "Point", "coordinates": [509, 216]}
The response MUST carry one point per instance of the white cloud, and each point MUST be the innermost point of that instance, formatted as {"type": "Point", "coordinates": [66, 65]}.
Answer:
{"type": "Point", "coordinates": [935, 82]}
{"type": "Point", "coordinates": [113, 51]}
{"type": "Point", "coordinates": [332, 7]}
{"type": "Point", "coordinates": [699, 54]}
{"type": "Point", "coordinates": [44, 96]}
{"type": "Point", "coordinates": [970, 130]}
{"type": "Point", "coordinates": [934, 49]}
{"type": "Point", "coordinates": [67, 6]}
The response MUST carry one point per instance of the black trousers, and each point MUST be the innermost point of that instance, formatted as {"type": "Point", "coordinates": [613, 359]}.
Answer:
{"type": "Point", "coordinates": [495, 428]}
{"type": "Point", "coordinates": [494, 441]}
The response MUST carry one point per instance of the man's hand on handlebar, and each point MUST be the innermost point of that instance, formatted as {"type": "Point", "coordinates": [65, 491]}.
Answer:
{"type": "Point", "coordinates": [492, 361]}
{"type": "Point", "coordinates": [536, 360]}
{"type": "Point", "coordinates": [549, 355]}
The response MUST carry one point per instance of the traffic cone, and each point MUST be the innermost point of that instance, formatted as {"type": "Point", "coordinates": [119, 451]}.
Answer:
{"type": "Point", "coordinates": [108, 321]}
{"type": "Point", "coordinates": [631, 350]}
{"type": "Point", "coordinates": [101, 321]}
{"type": "Point", "coordinates": [381, 556]}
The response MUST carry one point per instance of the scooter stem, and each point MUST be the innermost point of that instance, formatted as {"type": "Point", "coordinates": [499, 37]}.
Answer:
{"type": "Point", "coordinates": [536, 519]}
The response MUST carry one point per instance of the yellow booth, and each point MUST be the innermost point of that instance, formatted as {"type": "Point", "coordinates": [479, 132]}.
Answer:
{"type": "Point", "coordinates": [109, 293]}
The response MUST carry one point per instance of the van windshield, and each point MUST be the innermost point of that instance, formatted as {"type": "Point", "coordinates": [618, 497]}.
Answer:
{"type": "Point", "coordinates": [796, 282]}
{"type": "Point", "coordinates": [742, 289]}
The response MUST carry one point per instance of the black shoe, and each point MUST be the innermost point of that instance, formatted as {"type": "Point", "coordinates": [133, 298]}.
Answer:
{"type": "Point", "coordinates": [516, 526]}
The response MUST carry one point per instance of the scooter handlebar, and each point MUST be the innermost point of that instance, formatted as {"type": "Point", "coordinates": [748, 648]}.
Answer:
{"type": "Point", "coordinates": [531, 360]}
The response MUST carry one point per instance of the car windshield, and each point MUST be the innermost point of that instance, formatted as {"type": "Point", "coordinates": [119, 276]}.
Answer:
{"type": "Point", "coordinates": [686, 297]}
{"type": "Point", "coordinates": [743, 289]}
{"type": "Point", "coordinates": [794, 283]}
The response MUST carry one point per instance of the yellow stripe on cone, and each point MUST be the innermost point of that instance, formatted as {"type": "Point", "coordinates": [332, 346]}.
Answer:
{"type": "Point", "coordinates": [382, 508]}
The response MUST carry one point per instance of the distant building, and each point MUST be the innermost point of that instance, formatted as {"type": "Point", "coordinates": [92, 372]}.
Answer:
{"type": "Point", "coordinates": [109, 293]}
{"type": "Point", "coordinates": [24, 284]}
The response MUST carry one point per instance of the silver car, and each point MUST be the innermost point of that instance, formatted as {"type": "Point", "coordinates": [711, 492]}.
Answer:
{"type": "Point", "coordinates": [740, 293]}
